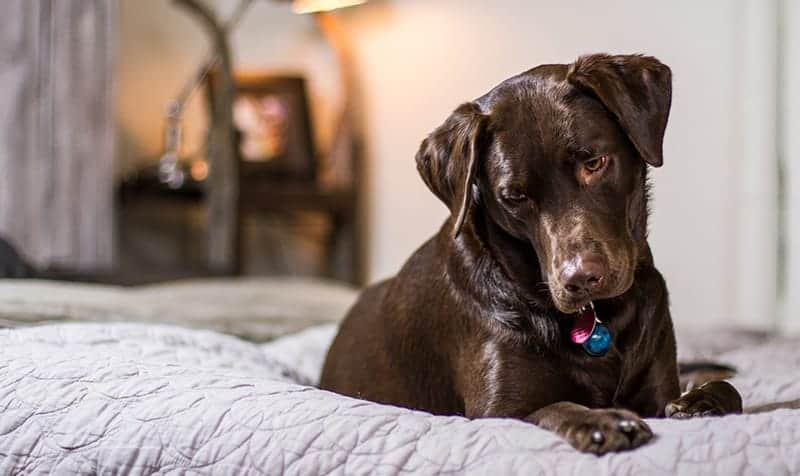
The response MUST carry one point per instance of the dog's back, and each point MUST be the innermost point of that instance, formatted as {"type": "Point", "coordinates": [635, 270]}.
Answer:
{"type": "Point", "coordinates": [391, 350]}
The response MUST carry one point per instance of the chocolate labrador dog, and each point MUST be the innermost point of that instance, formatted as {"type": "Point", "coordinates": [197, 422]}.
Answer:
{"type": "Point", "coordinates": [538, 299]}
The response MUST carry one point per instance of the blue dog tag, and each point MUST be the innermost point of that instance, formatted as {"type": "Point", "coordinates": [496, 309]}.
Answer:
{"type": "Point", "coordinates": [598, 343]}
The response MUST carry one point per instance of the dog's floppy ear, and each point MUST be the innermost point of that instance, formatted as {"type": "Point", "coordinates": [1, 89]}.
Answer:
{"type": "Point", "coordinates": [448, 158]}
{"type": "Point", "coordinates": [637, 90]}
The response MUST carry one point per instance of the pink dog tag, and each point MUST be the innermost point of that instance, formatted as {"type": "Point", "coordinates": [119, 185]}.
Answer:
{"type": "Point", "coordinates": [584, 326]}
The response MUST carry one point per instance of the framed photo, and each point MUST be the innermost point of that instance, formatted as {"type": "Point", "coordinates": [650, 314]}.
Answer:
{"type": "Point", "coordinates": [273, 127]}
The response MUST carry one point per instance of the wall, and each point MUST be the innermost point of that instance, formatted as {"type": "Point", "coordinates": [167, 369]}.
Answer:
{"type": "Point", "coordinates": [790, 148]}
{"type": "Point", "coordinates": [711, 230]}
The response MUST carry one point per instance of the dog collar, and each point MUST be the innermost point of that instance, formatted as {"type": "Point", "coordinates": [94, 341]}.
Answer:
{"type": "Point", "coordinates": [589, 332]}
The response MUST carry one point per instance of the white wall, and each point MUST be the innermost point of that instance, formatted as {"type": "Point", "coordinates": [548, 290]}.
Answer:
{"type": "Point", "coordinates": [754, 206]}
{"type": "Point", "coordinates": [790, 110]}
{"type": "Point", "coordinates": [712, 229]}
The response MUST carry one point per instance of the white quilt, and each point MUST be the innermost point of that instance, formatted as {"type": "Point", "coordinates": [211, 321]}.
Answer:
{"type": "Point", "coordinates": [143, 399]}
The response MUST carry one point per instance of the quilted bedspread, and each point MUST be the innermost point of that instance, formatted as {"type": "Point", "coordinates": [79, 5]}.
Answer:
{"type": "Point", "coordinates": [143, 399]}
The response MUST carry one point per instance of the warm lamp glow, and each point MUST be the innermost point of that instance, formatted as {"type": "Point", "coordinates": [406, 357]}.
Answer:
{"type": "Point", "coordinates": [313, 6]}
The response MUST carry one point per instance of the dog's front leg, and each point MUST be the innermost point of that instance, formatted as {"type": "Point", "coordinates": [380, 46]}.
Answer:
{"type": "Point", "coordinates": [596, 431]}
{"type": "Point", "coordinates": [714, 398]}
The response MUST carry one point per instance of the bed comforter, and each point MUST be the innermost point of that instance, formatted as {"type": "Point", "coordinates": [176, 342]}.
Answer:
{"type": "Point", "coordinates": [144, 399]}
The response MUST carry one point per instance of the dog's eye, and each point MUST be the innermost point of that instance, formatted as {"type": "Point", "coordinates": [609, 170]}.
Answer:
{"type": "Point", "coordinates": [514, 197]}
{"type": "Point", "coordinates": [595, 164]}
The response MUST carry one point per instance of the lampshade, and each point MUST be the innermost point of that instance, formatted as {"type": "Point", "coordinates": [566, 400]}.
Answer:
{"type": "Point", "coordinates": [312, 6]}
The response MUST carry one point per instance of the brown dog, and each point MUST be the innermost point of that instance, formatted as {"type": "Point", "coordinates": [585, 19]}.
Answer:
{"type": "Point", "coordinates": [546, 180]}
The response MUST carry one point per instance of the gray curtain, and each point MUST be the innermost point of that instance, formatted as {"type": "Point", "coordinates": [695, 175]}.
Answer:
{"type": "Point", "coordinates": [57, 130]}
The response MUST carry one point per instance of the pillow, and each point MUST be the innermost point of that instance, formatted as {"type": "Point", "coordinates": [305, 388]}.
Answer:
{"type": "Point", "coordinates": [256, 309]}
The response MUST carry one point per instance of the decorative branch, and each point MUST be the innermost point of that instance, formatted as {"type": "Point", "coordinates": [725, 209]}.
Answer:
{"type": "Point", "coordinates": [223, 181]}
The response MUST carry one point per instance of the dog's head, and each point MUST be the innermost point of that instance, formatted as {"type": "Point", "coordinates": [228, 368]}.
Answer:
{"type": "Point", "coordinates": [556, 157]}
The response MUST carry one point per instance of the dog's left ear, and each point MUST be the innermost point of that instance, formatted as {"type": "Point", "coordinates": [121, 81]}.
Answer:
{"type": "Point", "coordinates": [637, 90]}
{"type": "Point", "coordinates": [447, 160]}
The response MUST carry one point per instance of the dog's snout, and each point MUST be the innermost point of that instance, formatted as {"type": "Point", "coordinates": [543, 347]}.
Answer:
{"type": "Point", "coordinates": [583, 275]}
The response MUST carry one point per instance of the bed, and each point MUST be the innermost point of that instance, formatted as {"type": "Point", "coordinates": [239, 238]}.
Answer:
{"type": "Point", "coordinates": [79, 396]}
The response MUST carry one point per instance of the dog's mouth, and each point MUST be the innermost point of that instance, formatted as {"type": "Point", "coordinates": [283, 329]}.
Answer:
{"type": "Point", "coordinates": [569, 303]}
{"type": "Point", "coordinates": [571, 306]}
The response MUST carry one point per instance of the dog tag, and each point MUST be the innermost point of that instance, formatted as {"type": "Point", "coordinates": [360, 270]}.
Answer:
{"type": "Point", "coordinates": [590, 333]}
{"type": "Point", "coordinates": [598, 343]}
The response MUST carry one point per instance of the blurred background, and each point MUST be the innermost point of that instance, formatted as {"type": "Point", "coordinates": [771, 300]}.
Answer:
{"type": "Point", "coordinates": [150, 140]}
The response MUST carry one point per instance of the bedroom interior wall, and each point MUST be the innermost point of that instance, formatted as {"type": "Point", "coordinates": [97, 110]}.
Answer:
{"type": "Point", "coordinates": [418, 59]}
{"type": "Point", "coordinates": [790, 148]}
{"type": "Point", "coordinates": [754, 206]}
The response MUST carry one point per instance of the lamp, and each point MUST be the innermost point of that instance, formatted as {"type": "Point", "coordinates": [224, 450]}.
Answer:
{"type": "Point", "coordinates": [343, 156]}
{"type": "Point", "coordinates": [315, 6]}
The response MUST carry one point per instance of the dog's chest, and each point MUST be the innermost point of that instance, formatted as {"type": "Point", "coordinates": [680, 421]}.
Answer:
{"type": "Point", "coordinates": [595, 381]}
{"type": "Point", "coordinates": [569, 374]}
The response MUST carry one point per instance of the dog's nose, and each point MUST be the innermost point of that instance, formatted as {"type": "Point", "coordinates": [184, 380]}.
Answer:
{"type": "Point", "coordinates": [583, 275]}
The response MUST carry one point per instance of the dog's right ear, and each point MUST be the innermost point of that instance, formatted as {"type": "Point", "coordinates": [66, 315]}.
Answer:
{"type": "Point", "coordinates": [637, 90]}
{"type": "Point", "coordinates": [447, 160]}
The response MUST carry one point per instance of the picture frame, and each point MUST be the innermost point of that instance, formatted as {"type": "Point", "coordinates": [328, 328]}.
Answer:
{"type": "Point", "coordinates": [273, 127]}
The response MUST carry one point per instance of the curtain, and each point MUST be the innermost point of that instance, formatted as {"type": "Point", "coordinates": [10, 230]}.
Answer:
{"type": "Point", "coordinates": [57, 131]}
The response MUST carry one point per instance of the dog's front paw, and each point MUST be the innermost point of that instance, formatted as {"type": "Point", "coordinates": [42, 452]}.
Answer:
{"type": "Point", "coordinates": [603, 431]}
{"type": "Point", "coordinates": [711, 399]}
